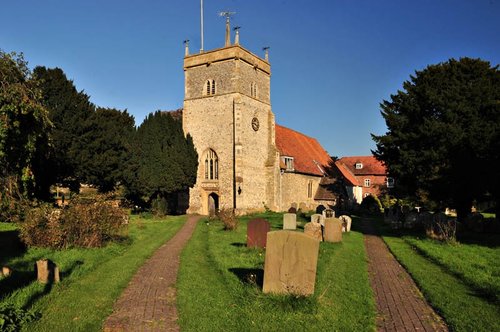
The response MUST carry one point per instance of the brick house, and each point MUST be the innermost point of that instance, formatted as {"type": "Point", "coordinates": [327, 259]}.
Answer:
{"type": "Point", "coordinates": [363, 176]}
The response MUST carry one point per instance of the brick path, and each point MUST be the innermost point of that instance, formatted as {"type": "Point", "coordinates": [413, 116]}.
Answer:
{"type": "Point", "coordinates": [400, 305]}
{"type": "Point", "coordinates": [148, 302]}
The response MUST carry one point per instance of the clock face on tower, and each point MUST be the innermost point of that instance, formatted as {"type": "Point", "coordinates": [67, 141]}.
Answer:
{"type": "Point", "coordinates": [255, 124]}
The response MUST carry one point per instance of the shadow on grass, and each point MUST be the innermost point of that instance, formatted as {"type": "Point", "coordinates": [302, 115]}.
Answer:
{"type": "Point", "coordinates": [10, 246]}
{"type": "Point", "coordinates": [249, 276]}
{"type": "Point", "coordinates": [238, 244]}
{"type": "Point", "coordinates": [22, 278]}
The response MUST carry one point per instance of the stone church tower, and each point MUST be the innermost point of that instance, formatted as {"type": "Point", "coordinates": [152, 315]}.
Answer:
{"type": "Point", "coordinates": [227, 111]}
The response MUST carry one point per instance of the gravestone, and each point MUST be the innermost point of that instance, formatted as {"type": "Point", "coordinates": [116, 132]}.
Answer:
{"type": "Point", "coordinates": [257, 233]}
{"type": "Point", "coordinates": [303, 207]}
{"type": "Point", "coordinates": [313, 229]}
{"type": "Point", "coordinates": [292, 210]}
{"type": "Point", "coordinates": [318, 218]}
{"type": "Point", "coordinates": [346, 223]}
{"type": "Point", "coordinates": [47, 271]}
{"type": "Point", "coordinates": [290, 265]}
{"type": "Point", "coordinates": [289, 221]}
{"type": "Point", "coordinates": [333, 230]}
{"type": "Point", "coordinates": [328, 213]}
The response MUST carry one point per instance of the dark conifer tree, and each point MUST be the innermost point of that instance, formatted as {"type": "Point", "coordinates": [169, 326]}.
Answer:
{"type": "Point", "coordinates": [443, 141]}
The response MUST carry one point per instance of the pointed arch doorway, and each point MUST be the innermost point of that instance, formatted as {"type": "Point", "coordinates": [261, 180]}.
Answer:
{"type": "Point", "coordinates": [213, 204]}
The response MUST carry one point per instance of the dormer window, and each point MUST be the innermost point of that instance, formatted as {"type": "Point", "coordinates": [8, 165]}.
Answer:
{"type": "Point", "coordinates": [210, 87]}
{"type": "Point", "coordinates": [359, 165]}
{"type": "Point", "coordinates": [288, 161]}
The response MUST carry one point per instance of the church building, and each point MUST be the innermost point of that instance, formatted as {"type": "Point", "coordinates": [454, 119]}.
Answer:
{"type": "Point", "coordinates": [246, 161]}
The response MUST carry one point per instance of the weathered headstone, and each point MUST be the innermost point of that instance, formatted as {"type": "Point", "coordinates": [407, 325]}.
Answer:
{"type": "Point", "coordinates": [318, 218]}
{"type": "Point", "coordinates": [313, 229]}
{"type": "Point", "coordinates": [303, 207]}
{"type": "Point", "coordinates": [257, 233]}
{"type": "Point", "coordinates": [333, 230]}
{"type": "Point", "coordinates": [289, 221]}
{"type": "Point", "coordinates": [290, 265]}
{"type": "Point", "coordinates": [292, 210]}
{"type": "Point", "coordinates": [346, 223]}
{"type": "Point", "coordinates": [328, 213]}
{"type": "Point", "coordinates": [47, 271]}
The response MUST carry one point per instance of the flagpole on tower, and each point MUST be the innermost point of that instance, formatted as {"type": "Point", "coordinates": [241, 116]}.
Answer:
{"type": "Point", "coordinates": [201, 19]}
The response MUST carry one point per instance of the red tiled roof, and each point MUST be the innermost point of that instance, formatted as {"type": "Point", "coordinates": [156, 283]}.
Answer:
{"type": "Point", "coordinates": [307, 153]}
{"type": "Point", "coordinates": [371, 166]}
{"type": "Point", "coordinates": [346, 173]}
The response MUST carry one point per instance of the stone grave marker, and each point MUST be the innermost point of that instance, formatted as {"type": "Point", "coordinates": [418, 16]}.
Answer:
{"type": "Point", "coordinates": [289, 221]}
{"type": "Point", "coordinates": [333, 230]}
{"type": "Point", "coordinates": [47, 271]}
{"type": "Point", "coordinates": [257, 233]}
{"type": "Point", "coordinates": [328, 213]}
{"type": "Point", "coordinates": [346, 223]}
{"type": "Point", "coordinates": [290, 265]}
{"type": "Point", "coordinates": [317, 218]}
{"type": "Point", "coordinates": [313, 229]}
{"type": "Point", "coordinates": [303, 207]}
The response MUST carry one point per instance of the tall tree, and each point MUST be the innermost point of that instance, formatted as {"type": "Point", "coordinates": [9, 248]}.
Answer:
{"type": "Point", "coordinates": [443, 139]}
{"type": "Point", "coordinates": [105, 148]}
{"type": "Point", "coordinates": [166, 160]}
{"type": "Point", "coordinates": [24, 127]}
{"type": "Point", "coordinates": [69, 110]}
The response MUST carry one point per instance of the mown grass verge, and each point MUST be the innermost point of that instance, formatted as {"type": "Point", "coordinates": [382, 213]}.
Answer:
{"type": "Point", "coordinates": [460, 281]}
{"type": "Point", "coordinates": [92, 279]}
{"type": "Point", "coordinates": [214, 292]}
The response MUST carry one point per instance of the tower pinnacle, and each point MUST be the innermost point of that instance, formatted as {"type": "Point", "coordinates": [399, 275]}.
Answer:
{"type": "Point", "coordinates": [227, 14]}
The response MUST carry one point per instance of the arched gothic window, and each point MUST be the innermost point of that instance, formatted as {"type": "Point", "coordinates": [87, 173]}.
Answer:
{"type": "Point", "coordinates": [253, 89]}
{"type": "Point", "coordinates": [210, 87]}
{"type": "Point", "coordinates": [211, 165]}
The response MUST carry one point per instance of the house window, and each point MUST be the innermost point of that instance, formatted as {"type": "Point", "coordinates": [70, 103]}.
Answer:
{"type": "Point", "coordinates": [309, 189]}
{"type": "Point", "coordinates": [359, 165]}
{"type": "Point", "coordinates": [367, 182]}
{"type": "Point", "coordinates": [390, 182]}
{"type": "Point", "coordinates": [210, 87]}
{"type": "Point", "coordinates": [211, 165]}
{"type": "Point", "coordinates": [288, 163]}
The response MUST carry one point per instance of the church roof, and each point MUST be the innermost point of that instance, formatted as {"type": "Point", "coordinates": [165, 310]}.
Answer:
{"type": "Point", "coordinates": [308, 155]}
{"type": "Point", "coordinates": [369, 165]}
{"type": "Point", "coordinates": [346, 173]}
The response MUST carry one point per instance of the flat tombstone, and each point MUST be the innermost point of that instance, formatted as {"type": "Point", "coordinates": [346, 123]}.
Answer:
{"type": "Point", "coordinates": [333, 230]}
{"type": "Point", "coordinates": [290, 266]}
{"type": "Point", "coordinates": [289, 221]}
{"type": "Point", "coordinates": [346, 223]}
{"type": "Point", "coordinates": [313, 229]}
{"type": "Point", "coordinates": [257, 233]}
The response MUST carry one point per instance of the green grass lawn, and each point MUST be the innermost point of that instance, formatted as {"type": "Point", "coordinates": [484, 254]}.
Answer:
{"type": "Point", "coordinates": [460, 281]}
{"type": "Point", "coordinates": [214, 294]}
{"type": "Point", "coordinates": [92, 279]}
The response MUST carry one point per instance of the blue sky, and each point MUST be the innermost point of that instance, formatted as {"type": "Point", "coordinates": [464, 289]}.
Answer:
{"type": "Point", "coordinates": [332, 61]}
